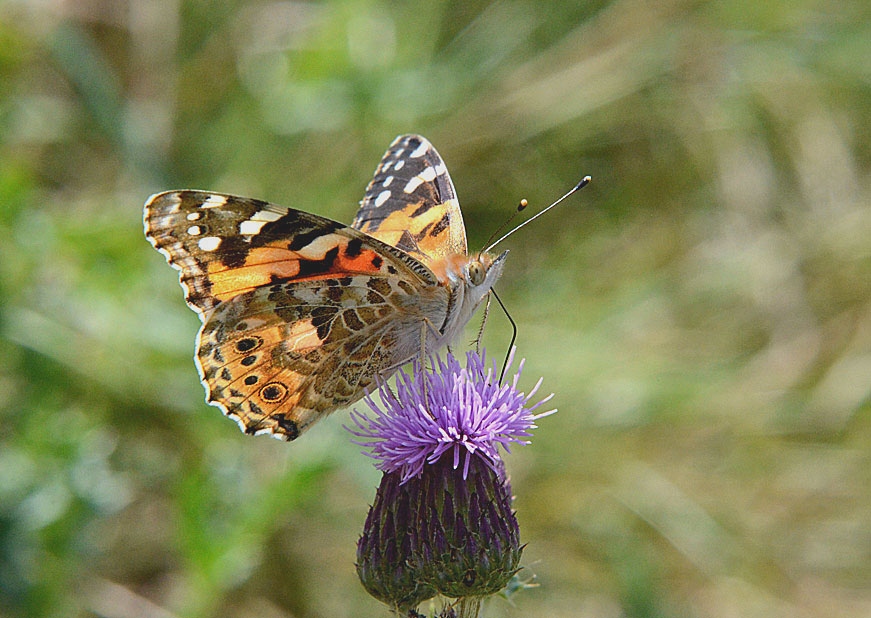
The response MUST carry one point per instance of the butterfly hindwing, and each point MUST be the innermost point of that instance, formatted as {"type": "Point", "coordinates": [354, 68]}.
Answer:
{"type": "Point", "coordinates": [225, 245]}
{"type": "Point", "coordinates": [278, 358]}
{"type": "Point", "coordinates": [411, 202]}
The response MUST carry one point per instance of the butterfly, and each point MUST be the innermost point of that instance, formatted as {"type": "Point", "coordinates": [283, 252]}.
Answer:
{"type": "Point", "coordinates": [302, 314]}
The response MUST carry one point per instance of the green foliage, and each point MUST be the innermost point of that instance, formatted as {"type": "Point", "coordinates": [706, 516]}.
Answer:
{"type": "Point", "coordinates": [702, 310]}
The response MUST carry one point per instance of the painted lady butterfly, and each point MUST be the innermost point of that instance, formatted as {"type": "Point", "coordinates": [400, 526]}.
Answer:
{"type": "Point", "coordinates": [301, 313]}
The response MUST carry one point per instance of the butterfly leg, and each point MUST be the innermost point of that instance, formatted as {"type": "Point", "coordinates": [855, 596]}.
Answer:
{"type": "Point", "coordinates": [425, 326]}
{"type": "Point", "coordinates": [390, 390]}
{"type": "Point", "coordinates": [481, 329]}
{"type": "Point", "coordinates": [423, 368]}
{"type": "Point", "coordinates": [483, 324]}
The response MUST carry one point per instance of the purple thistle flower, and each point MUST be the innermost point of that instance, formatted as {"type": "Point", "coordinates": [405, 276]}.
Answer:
{"type": "Point", "coordinates": [435, 527]}
{"type": "Point", "coordinates": [466, 411]}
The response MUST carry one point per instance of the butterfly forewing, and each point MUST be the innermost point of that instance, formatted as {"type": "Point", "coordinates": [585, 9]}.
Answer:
{"type": "Point", "coordinates": [411, 202]}
{"type": "Point", "coordinates": [224, 245]}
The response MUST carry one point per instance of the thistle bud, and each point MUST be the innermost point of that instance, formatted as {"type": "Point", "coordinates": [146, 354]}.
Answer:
{"type": "Point", "coordinates": [383, 550]}
{"type": "Point", "coordinates": [466, 542]}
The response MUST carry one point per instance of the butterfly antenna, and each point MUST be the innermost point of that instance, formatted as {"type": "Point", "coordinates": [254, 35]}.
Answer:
{"type": "Point", "coordinates": [584, 182]}
{"type": "Point", "coordinates": [513, 334]}
{"type": "Point", "coordinates": [520, 207]}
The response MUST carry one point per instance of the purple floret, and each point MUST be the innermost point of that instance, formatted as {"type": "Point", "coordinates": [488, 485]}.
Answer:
{"type": "Point", "coordinates": [468, 412]}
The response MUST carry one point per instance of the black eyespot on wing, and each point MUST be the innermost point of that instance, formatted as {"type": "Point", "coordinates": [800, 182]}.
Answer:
{"type": "Point", "coordinates": [247, 344]}
{"type": "Point", "coordinates": [273, 392]}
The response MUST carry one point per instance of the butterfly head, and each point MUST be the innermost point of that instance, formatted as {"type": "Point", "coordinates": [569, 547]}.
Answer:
{"type": "Point", "coordinates": [481, 273]}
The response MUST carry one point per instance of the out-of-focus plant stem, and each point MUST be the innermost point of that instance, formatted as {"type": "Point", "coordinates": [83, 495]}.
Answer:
{"type": "Point", "coordinates": [469, 607]}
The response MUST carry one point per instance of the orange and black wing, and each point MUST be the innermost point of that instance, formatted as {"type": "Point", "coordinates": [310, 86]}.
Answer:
{"type": "Point", "coordinates": [300, 313]}
{"type": "Point", "coordinates": [411, 202]}
{"type": "Point", "coordinates": [224, 246]}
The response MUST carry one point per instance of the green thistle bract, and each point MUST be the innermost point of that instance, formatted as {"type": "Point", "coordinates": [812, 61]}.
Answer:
{"type": "Point", "coordinates": [466, 542]}
{"type": "Point", "coordinates": [384, 548]}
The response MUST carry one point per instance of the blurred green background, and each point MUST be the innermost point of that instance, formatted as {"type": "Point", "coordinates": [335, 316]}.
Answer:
{"type": "Point", "coordinates": [702, 311]}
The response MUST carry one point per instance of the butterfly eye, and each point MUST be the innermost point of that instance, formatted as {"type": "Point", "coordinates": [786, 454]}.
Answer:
{"type": "Point", "coordinates": [477, 273]}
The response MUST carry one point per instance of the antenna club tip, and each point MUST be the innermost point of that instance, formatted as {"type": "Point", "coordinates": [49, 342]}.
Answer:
{"type": "Point", "coordinates": [523, 204]}
{"type": "Point", "coordinates": [584, 182]}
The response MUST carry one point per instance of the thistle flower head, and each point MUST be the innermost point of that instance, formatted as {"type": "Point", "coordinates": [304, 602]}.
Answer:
{"type": "Point", "coordinates": [463, 411]}
{"type": "Point", "coordinates": [436, 527]}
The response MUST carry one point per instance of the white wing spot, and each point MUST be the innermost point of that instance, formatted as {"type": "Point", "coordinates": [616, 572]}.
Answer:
{"type": "Point", "coordinates": [251, 227]}
{"type": "Point", "coordinates": [413, 184]}
{"type": "Point", "coordinates": [195, 230]}
{"type": "Point", "coordinates": [317, 249]}
{"type": "Point", "coordinates": [427, 175]}
{"type": "Point", "coordinates": [214, 201]}
{"type": "Point", "coordinates": [399, 165]}
{"type": "Point", "coordinates": [387, 181]}
{"type": "Point", "coordinates": [382, 197]}
{"type": "Point", "coordinates": [386, 166]}
{"type": "Point", "coordinates": [420, 150]}
{"type": "Point", "coordinates": [193, 216]}
{"type": "Point", "coordinates": [265, 216]}
{"type": "Point", "coordinates": [209, 243]}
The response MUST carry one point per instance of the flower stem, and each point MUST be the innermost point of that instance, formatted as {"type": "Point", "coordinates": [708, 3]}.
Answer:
{"type": "Point", "coordinates": [469, 607]}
